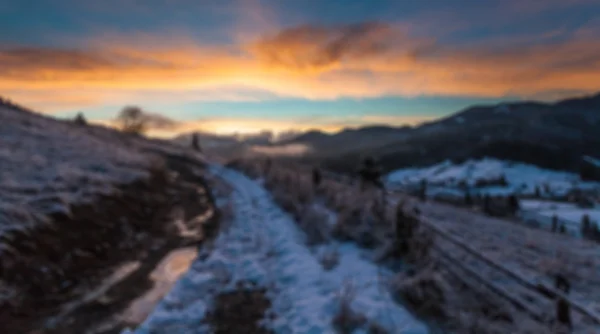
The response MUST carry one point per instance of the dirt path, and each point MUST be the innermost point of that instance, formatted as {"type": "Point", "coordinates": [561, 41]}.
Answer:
{"type": "Point", "coordinates": [261, 253]}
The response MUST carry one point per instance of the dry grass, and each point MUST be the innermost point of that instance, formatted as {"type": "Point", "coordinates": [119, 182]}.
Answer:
{"type": "Point", "coordinates": [426, 291]}
{"type": "Point", "coordinates": [361, 216]}
{"type": "Point", "coordinates": [347, 320]}
{"type": "Point", "coordinates": [314, 222]}
{"type": "Point", "coordinates": [435, 294]}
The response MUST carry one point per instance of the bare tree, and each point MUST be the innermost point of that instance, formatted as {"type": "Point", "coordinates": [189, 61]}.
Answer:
{"type": "Point", "coordinates": [80, 119]}
{"type": "Point", "coordinates": [132, 120]}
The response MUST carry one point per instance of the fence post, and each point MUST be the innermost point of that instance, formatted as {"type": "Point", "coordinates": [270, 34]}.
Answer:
{"type": "Point", "coordinates": [316, 179]}
{"type": "Point", "coordinates": [562, 229]}
{"type": "Point", "coordinates": [487, 204]}
{"type": "Point", "coordinates": [423, 190]}
{"type": "Point", "coordinates": [554, 223]}
{"type": "Point", "coordinates": [563, 309]}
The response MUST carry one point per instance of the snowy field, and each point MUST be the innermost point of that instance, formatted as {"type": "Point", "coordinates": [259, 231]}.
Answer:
{"type": "Point", "coordinates": [486, 176]}
{"type": "Point", "coordinates": [568, 214]}
{"type": "Point", "coordinates": [502, 178]}
{"type": "Point", "coordinates": [49, 165]}
{"type": "Point", "coordinates": [264, 246]}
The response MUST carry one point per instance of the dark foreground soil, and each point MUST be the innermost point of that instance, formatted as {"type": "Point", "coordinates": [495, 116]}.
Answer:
{"type": "Point", "coordinates": [240, 311]}
{"type": "Point", "coordinates": [56, 264]}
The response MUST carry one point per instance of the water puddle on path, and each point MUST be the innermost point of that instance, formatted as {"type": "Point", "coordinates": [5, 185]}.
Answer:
{"type": "Point", "coordinates": [168, 271]}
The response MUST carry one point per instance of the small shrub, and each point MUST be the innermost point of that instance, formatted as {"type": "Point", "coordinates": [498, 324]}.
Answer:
{"type": "Point", "coordinates": [346, 320]}
{"type": "Point", "coordinates": [375, 328]}
{"type": "Point", "coordinates": [426, 291]}
{"type": "Point", "coordinates": [80, 120]}
{"type": "Point", "coordinates": [239, 311]}
{"type": "Point", "coordinates": [287, 202]}
{"type": "Point", "coordinates": [329, 259]}
{"type": "Point", "coordinates": [347, 221]}
{"type": "Point", "coordinates": [304, 189]}
{"type": "Point", "coordinates": [315, 223]}
{"type": "Point", "coordinates": [420, 247]}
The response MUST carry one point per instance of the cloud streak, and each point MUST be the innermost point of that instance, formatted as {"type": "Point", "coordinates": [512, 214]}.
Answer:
{"type": "Point", "coordinates": [323, 47]}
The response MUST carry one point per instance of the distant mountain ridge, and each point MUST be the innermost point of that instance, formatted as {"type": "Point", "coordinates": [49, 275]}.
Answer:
{"type": "Point", "coordinates": [553, 135]}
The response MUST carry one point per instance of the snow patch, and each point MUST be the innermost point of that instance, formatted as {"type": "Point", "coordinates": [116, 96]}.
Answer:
{"type": "Point", "coordinates": [593, 161]}
{"type": "Point", "coordinates": [520, 178]}
{"type": "Point", "coordinates": [568, 214]}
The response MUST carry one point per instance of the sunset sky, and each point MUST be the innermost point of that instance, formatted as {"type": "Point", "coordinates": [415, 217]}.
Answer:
{"type": "Point", "coordinates": [246, 65]}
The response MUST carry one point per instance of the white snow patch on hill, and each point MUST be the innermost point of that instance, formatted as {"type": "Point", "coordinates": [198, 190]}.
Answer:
{"type": "Point", "coordinates": [285, 150]}
{"type": "Point", "coordinates": [567, 213]}
{"type": "Point", "coordinates": [520, 178]}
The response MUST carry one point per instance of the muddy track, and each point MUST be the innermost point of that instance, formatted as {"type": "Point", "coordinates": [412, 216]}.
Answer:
{"type": "Point", "coordinates": [55, 265]}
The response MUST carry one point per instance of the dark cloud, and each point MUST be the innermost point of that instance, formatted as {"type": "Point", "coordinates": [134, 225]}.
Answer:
{"type": "Point", "coordinates": [308, 46]}
{"type": "Point", "coordinates": [32, 58]}
{"type": "Point", "coordinates": [41, 62]}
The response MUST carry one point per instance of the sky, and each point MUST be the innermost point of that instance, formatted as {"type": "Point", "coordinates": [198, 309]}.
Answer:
{"type": "Point", "coordinates": [246, 65]}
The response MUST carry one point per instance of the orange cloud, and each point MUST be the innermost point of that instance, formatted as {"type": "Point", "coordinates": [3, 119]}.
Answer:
{"type": "Point", "coordinates": [323, 47]}
{"type": "Point", "coordinates": [313, 62]}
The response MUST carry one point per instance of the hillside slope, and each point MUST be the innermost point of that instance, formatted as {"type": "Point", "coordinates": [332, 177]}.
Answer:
{"type": "Point", "coordinates": [77, 202]}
